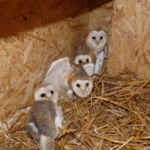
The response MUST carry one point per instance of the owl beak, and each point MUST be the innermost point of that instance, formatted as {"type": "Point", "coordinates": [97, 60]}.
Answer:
{"type": "Point", "coordinates": [48, 96]}
{"type": "Point", "coordinates": [83, 91]}
{"type": "Point", "coordinates": [97, 42]}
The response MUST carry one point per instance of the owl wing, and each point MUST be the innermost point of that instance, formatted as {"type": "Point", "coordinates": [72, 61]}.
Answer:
{"type": "Point", "coordinates": [106, 52]}
{"type": "Point", "coordinates": [99, 63]}
{"type": "Point", "coordinates": [57, 68]}
{"type": "Point", "coordinates": [89, 68]}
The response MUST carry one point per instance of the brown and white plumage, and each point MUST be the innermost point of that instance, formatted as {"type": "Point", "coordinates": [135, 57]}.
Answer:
{"type": "Point", "coordinates": [84, 55]}
{"type": "Point", "coordinates": [85, 58]}
{"type": "Point", "coordinates": [89, 67]}
{"type": "Point", "coordinates": [79, 81]}
{"type": "Point", "coordinates": [45, 118]}
{"type": "Point", "coordinates": [66, 77]}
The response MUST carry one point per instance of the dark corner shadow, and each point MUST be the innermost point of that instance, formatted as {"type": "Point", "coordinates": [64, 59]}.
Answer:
{"type": "Point", "coordinates": [23, 15]}
{"type": "Point", "coordinates": [93, 4]}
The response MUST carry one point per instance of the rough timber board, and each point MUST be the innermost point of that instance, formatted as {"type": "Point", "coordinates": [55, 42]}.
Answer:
{"type": "Point", "coordinates": [129, 45]}
{"type": "Point", "coordinates": [20, 15]}
{"type": "Point", "coordinates": [33, 34]}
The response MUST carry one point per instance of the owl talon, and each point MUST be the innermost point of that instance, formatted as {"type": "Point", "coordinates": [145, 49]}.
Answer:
{"type": "Point", "coordinates": [32, 130]}
{"type": "Point", "coordinates": [37, 140]}
{"type": "Point", "coordinates": [38, 133]}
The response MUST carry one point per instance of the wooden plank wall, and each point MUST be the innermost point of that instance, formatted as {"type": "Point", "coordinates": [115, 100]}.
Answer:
{"type": "Point", "coordinates": [32, 35]}
{"type": "Point", "coordinates": [129, 50]}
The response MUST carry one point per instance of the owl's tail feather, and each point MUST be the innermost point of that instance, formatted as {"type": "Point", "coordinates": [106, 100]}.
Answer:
{"type": "Point", "coordinates": [46, 143]}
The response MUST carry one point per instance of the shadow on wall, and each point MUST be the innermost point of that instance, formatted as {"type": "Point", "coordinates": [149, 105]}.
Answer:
{"type": "Point", "coordinates": [93, 4]}
{"type": "Point", "coordinates": [23, 15]}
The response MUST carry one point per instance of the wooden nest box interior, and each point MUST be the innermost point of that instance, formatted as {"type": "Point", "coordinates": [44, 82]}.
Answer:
{"type": "Point", "coordinates": [34, 33]}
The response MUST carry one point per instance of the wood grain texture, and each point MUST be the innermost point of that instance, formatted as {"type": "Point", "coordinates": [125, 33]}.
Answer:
{"type": "Point", "coordinates": [129, 50]}
{"type": "Point", "coordinates": [33, 34]}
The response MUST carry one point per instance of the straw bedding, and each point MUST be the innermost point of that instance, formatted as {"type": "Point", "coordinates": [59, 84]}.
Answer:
{"type": "Point", "coordinates": [115, 116]}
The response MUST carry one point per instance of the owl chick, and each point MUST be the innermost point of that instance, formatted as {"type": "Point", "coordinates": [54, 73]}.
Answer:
{"type": "Point", "coordinates": [69, 78]}
{"type": "Point", "coordinates": [96, 40]}
{"type": "Point", "coordinates": [85, 58]}
{"type": "Point", "coordinates": [46, 116]}
{"type": "Point", "coordinates": [84, 55]}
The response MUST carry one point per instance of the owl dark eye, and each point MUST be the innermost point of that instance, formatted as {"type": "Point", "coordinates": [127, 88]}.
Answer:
{"type": "Point", "coordinates": [87, 84]}
{"type": "Point", "coordinates": [80, 61]}
{"type": "Point", "coordinates": [87, 60]}
{"type": "Point", "coordinates": [52, 92]}
{"type": "Point", "coordinates": [78, 85]}
{"type": "Point", "coordinates": [42, 95]}
{"type": "Point", "coordinates": [101, 37]}
{"type": "Point", "coordinates": [93, 38]}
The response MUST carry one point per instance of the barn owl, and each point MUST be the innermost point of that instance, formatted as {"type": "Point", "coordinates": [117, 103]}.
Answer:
{"type": "Point", "coordinates": [96, 40]}
{"type": "Point", "coordinates": [84, 55]}
{"type": "Point", "coordinates": [85, 58]}
{"type": "Point", "coordinates": [46, 117]}
{"type": "Point", "coordinates": [69, 78]}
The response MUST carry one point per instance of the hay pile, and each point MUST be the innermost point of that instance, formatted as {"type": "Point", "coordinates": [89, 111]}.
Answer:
{"type": "Point", "coordinates": [115, 116]}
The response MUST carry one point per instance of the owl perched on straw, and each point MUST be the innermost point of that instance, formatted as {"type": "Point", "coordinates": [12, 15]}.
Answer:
{"type": "Point", "coordinates": [45, 118]}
